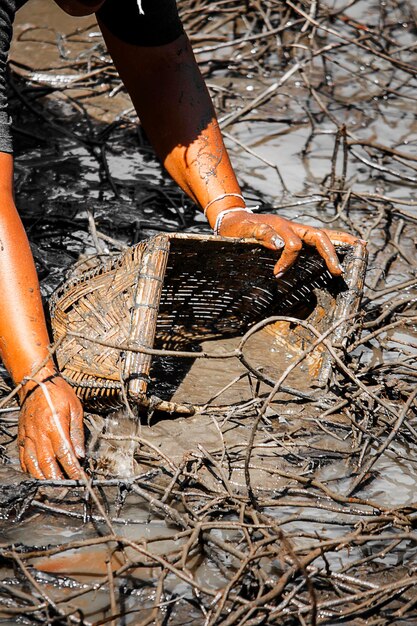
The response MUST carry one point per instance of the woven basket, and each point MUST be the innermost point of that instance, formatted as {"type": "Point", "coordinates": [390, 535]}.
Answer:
{"type": "Point", "coordinates": [176, 290]}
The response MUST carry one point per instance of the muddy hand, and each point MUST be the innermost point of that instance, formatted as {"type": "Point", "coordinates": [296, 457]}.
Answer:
{"type": "Point", "coordinates": [50, 435]}
{"type": "Point", "coordinates": [278, 233]}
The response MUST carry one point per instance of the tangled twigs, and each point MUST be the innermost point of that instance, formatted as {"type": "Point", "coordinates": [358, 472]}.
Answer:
{"type": "Point", "coordinates": [295, 505]}
{"type": "Point", "coordinates": [373, 459]}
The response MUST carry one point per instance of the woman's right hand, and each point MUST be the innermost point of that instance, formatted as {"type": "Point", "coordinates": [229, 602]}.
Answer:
{"type": "Point", "coordinates": [50, 435]}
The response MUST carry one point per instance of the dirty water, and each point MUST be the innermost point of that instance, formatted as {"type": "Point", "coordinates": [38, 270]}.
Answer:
{"type": "Point", "coordinates": [130, 199]}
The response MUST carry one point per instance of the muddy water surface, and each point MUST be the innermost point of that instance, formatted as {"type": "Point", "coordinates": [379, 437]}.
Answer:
{"type": "Point", "coordinates": [59, 180]}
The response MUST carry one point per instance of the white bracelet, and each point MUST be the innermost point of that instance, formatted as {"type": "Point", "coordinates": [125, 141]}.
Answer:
{"type": "Point", "coordinates": [224, 195]}
{"type": "Point", "coordinates": [221, 215]}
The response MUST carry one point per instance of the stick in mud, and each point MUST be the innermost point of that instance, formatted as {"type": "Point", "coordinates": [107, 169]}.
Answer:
{"type": "Point", "coordinates": [331, 539]}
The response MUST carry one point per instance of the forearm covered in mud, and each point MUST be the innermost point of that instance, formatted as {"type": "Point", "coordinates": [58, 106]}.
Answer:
{"type": "Point", "coordinates": [23, 334]}
{"type": "Point", "coordinates": [175, 109]}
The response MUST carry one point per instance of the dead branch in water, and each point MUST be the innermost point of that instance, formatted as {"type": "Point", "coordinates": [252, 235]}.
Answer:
{"type": "Point", "coordinates": [290, 509]}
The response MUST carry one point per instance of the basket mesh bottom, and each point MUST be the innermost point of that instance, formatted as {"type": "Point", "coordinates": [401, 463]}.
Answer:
{"type": "Point", "coordinates": [222, 290]}
{"type": "Point", "coordinates": [211, 288]}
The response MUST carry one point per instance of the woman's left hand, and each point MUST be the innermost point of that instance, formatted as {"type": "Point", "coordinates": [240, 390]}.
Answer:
{"type": "Point", "coordinates": [278, 233]}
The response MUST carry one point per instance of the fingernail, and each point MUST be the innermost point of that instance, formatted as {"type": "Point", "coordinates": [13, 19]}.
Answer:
{"type": "Point", "coordinates": [363, 241]}
{"type": "Point", "coordinates": [341, 268]}
{"type": "Point", "coordinates": [279, 275]}
{"type": "Point", "coordinates": [278, 242]}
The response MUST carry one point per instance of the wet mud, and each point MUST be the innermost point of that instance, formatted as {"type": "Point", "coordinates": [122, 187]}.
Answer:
{"type": "Point", "coordinates": [276, 509]}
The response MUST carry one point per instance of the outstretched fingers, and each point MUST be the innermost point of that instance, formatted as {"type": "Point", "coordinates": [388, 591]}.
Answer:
{"type": "Point", "coordinates": [30, 459]}
{"type": "Point", "coordinates": [276, 239]}
{"type": "Point", "coordinates": [68, 461]}
{"type": "Point", "coordinates": [278, 233]}
{"type": "Point", "coordinates": [340, 236]}
{"type": "Point", "coordinates": [46, 459]}
{"type": "Point", "coordinates": [293, 246]}
{"type": "Point", "coordinates": [320, 240]}
{"type": "Point", "coordinates": [51, 435]}
{"type": "Point", "coordinates": [287, 241]}
{"type": "Point", "coordinates": [63, 451]}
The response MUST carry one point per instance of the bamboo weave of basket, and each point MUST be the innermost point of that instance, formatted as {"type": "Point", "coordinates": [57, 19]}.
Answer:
{"type": "Point", "coordinates": [176, 290]}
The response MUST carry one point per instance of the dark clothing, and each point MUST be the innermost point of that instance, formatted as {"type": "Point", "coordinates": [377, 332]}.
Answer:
{"type": "Point", "coordinates": [159, 24]}
{"type": "Point", "coordinates": [7, 10]}
{"type": "Point", "coordinates": [139, 22]}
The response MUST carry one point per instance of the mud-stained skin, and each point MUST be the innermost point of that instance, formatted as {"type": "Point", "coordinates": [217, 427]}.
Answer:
{"type": "Point", "coordinates": [49, 440]}
{"type": "Point", "coordinates": [175, 109]}
{"type": "Point", "coordinates": [209, 156]}
{"type": "Point", "coordinates": [211, 147]}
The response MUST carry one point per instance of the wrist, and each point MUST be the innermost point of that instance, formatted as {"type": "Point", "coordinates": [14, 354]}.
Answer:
{"type": "Point", "coordinates": [36, 375]}
{"type": "Point", "coordinates": [223, 202]}
{"type": "Point", "coordinates": [230, 214]}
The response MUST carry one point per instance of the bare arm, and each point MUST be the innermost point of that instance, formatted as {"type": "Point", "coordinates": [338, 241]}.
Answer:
{"type": "Point", "coordinates": [175, 109]}
{"type": "Point", "coordinates": [48, 440]}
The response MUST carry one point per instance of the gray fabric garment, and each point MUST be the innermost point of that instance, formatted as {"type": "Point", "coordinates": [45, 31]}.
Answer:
{"type": "Point", "coordinates": [6, 144]}
{"type": "Point", "coordinates": [8, 9]}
